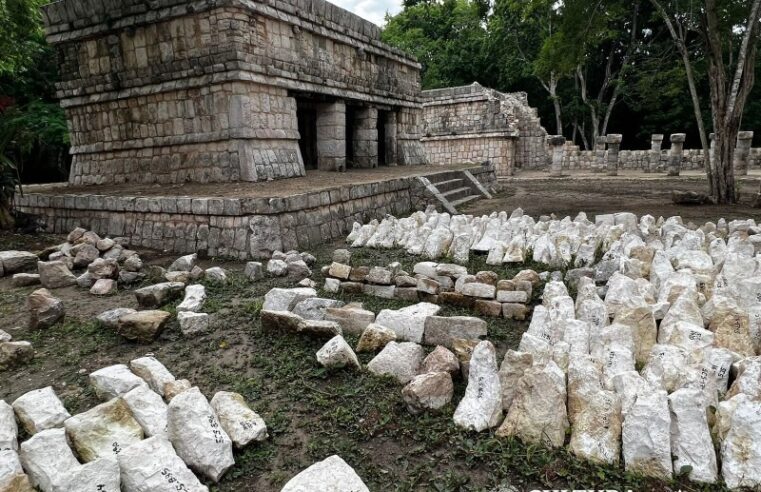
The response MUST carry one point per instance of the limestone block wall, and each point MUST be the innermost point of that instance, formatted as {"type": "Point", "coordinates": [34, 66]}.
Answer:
{"type": "Point", "coordinates": [233, 227]}
{"type": "Point", "coordinates": [473, 123]}
{"type": "Point", "coordinates": [212, 84]}
{"type": "Point", "coordinates": [640, 159]}
{"type": "Point", "coordinates": [478, 149]}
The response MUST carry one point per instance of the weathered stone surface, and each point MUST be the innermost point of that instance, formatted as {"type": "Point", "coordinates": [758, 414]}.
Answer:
{"type": "Point", "coordinates": [384, 291]}
{"type": "Point", "coordinates": [55, 274]}
{"type": "Point", "coordinates": [538, 413]}
{"type": "Point", "coordinates": [429, 391]}
{"type": "Point", "coordinates": [184, 263]}
{"type": "Point", "coordinates": [596, 434]}
{"type": "Point", "coordinates": [512, 296]}
{"type": "Point", "coordinates": [336, 353]}
{"type": "Point", "coordinates": [691, 443]}
{"type": "Point", "coordinates": [8, 428]}
{"type": "Point", "coordinates": [510, 372]}
{"type": "Point", "coordinates": [103, 287]}
{"type": "Point", "coordinates": [517, 312]}
{"type": "Point", "coordinates": [193, 323]}
{"type": "Point", "coordinates": [152, 465]}
{"type": "Point", "coordinates": [321, 329]}
{"type": "Point", "coordinates": [740, 454]}
{"type": "Point", "coordinates": [44, 309]}
{"type": "Point", "coordinates": [25, 279]}
{"type": "Point", "coordinates": [278, 299]}
{"type": "Point", "coordinates": [148, 409]}
{"type": "Point", "coordinates": [157, 295]}
{"type": "Point", "coordinates": [39, 410]}
{"type": "Point", "coordinates": [479, 290]}
{"type": "Point", "coordinates": [481, 407]}
{"type": "Point", "coordinates": [441, 360]}
{"type": "Point", "coordinates": [16, 261]}
{"type": "Point", "coordinates": [15, 354]}
{"type": "Point", "coordinates": [197, 436]}
{"type": "Point", "coordinates": [491, 309]}
{"type": "Point", "coordinates": [332, 285]}
{"type": "Point", "coordinates": [281, 321]}
{"type": "Point", "coordinates": [379, 275]}
{"type": "Point", "coordinates": [242, 424]}
{"type": "Point", "coordinates": [375, 337]}
{"type": "Point", "coordinates": [584, 381]}
{"type": "Point", "coordinates": [640, 319]}
{"type": "Point", "coordinates": [12, 476]}
{"type": "Point", "coordinates": [85, 254]}
{"type": "Point", "coordinates": [142, 326]}
{"type": "Point", "coordinates": [215, 274]}
{"type": "Point", "coordinates": [47, 459]}
{"type": "Point", "coordinates": [103, 473]}
{"type": "Point", "coordinates": [195, 296]}
{"type": "Point", "coordinates": [104, 430]}
{"type": "Point", "coordinates": [314, 308]}
{"type": "Point", "coordinates": [339, 270]}
{"type": "Point", "coordinates": [342, 256]}
{"type": "Point", "coordinates": [440, 330]}
{"type": "Point", "coordinates": [174, 388]}
{"type": "Point", "coordinates": [399, 360]}
{"type": "Point", "coordinates": [646, 436]}
{"type": "Point", "coordinates": [152, 372]}
{"type": "Point", "coordinates": [330, 475]}
{"type": "Point", "coordinates": [408, 323]}
{"type": "Point", "coordinates": [102, 268]}
{"type": "Point", "coordinates": [113, 381]}
{"type": "Point", "coordinates": [254, 271]}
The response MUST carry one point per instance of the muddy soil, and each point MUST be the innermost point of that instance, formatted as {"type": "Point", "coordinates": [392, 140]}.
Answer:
{"type": "Point", "coordinates": [569, 196]}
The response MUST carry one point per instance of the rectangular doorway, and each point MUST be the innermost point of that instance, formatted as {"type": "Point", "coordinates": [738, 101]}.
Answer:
{"type": "Point", "coordinates": [306, 115]}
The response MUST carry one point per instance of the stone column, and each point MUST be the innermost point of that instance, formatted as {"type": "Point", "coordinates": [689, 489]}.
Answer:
{"type": "Point", "coordinates": [614, 144]}
{"type": "Point", "coordinates": [675, 154]}
{"type": "Point", "coordinates": [742, 152]}
{"type": "Point", "coordinates": [601, 143]}
{"type": "Point", "coordinates": [331, 136]}
{"type": "Point", "coordinates": [656, 142]}
{"type": "Point", "coordinates": [557, 144]}
{"type": "Point", "coordinates": [391, 140]}
{"type": "Point", "coordinates": [365, 136]}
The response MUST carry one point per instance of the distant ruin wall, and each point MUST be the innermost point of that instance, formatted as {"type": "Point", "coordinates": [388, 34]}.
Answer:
{"type": "Point", "coordinates": [640, 159]}
{"type": "Point", "coordinates": [476, 124]}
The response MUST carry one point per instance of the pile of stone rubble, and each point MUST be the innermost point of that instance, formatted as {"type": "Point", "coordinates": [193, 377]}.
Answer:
{"type": "Point", "coordinates": [516, 238]}
{"type": "Point", "coordinates": [149, 433]}
{"type": "Point", "coordinates": [653, 362]}
{"type": "Point", "coordinates": [438, 283]}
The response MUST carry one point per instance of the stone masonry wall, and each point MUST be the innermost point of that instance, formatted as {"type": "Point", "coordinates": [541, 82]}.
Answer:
{"type": "Point", "coordinates": [640, 159]}
{"type": "Point", "coordinates": [234, 227]}
{"type": "Point", "coordinates": [170, 91]}
{"type": "Point", "coordinates": [467, 124]}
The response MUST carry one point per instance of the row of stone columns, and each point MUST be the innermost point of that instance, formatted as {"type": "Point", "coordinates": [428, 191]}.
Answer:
{"type": "Point", "coordinates": [607, 147]}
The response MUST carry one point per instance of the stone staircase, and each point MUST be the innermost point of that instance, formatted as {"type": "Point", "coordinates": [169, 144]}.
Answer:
{"type": "Point", "coordinates": [454, 188]}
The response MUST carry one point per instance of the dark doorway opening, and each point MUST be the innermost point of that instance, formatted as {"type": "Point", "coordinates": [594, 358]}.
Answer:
{"type": "Point", "coordinates": [381, 125]}
{"type": "Point", "coordinates": [306, 116]}
{"type": "Point", "coordinates": [351, 119]}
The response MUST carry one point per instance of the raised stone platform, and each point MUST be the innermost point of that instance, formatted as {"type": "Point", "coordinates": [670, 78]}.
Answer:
{"type": "Point", "coordinates": [238, 220]}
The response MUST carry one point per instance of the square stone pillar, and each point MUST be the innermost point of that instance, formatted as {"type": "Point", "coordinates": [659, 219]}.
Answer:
{"type": "Point", "coordinates": [676, 153]}
{"type": "Point", "coordinates": [365, 136]}
{"type": "Point", "coordinates": [331, 136]}
{"type": "Point", "coordinates": [601, 143]}
{"type": "Point", "coordinates": [557, 145]}
{"type": "Point", "coordinates": [391, 140]}
{"type": "Point", "coordinates": [656, 142]}
{"type": "Point", "coordinates": [614, 144]}
{"type": "Point", "coordinates": [742, 152]}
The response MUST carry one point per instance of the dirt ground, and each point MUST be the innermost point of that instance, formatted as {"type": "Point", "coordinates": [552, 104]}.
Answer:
{"type": "Point", "coordinates": [596, 195]}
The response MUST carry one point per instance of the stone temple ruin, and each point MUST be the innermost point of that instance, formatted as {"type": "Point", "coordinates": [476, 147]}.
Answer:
{"type": "Point", "coordinates": [477, 124]}
{"type": "Point", "coordinates": [173, 92]}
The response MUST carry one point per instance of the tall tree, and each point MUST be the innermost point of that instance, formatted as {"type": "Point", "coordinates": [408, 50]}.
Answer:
{"type": "Point", "coordinates": [728, 31]}
{"type": "Point", "coordinates": [520, 31]}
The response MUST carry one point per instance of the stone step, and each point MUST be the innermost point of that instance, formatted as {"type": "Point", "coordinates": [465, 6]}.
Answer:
{"type": "Point", "coordinates": [462, 201]}
{"type": "Point", "coordinates": [457, 193]}
{"type": "Point", "coordinates": [449, 184]}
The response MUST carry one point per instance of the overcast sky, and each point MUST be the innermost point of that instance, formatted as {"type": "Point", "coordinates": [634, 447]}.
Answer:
{"type": "Point", "coordinates": [372, 10]}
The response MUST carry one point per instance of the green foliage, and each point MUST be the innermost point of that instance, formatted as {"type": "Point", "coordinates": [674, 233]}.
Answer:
{"type": "Point", "coordinates": [20, 34]}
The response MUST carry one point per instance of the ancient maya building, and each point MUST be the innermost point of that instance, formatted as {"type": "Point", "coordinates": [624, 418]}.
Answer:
{"type": "Point", "coordinates": [475, 124]}
{"type": "Point", "coordinates": [171, 91]}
